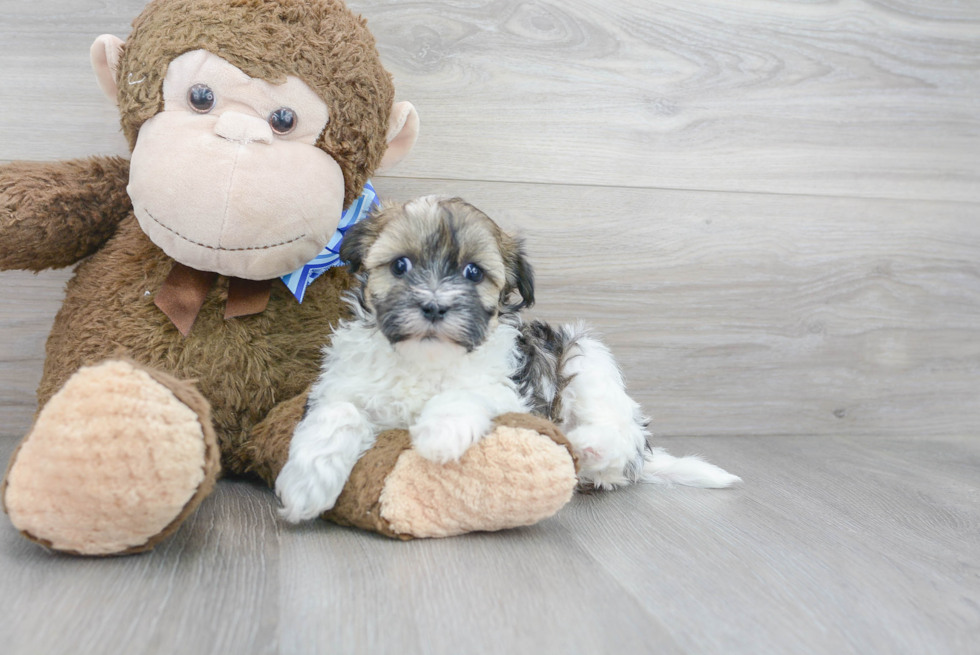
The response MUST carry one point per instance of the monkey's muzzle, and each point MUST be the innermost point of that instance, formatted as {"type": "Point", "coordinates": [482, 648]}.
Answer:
{"type": "Point", "coordinates": [246, 208]}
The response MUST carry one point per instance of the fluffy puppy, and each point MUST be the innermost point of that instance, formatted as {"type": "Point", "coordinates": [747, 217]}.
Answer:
{"type": "Point", "coordinates": [437, 345]}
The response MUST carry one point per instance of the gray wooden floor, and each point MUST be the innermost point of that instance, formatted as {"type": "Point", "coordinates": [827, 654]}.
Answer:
{"type": "Point", "coordinates": [770, 209]}
{"type": "Point", "coordinates": [834, 545]}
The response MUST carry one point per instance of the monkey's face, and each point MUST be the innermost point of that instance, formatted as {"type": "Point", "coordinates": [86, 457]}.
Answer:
{"type": "Point", "coordinates": [228, 177]}
{"type": "Point", "coordinates": [242, 163]}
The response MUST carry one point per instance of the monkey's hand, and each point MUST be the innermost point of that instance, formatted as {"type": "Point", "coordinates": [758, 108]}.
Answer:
{"type": "Point", "coordinates": [53, 214]}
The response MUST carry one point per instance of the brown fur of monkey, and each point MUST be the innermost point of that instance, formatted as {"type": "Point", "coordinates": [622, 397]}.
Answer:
{"type": "Point", "coordinates": [53, 214]}
{"type": "Point", "coordinates": [244, 367]}
{"type": "Point", "coordinates": [322, 43]}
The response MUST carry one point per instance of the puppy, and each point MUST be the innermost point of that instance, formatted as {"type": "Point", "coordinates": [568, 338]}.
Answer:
{"type": "Point", "coordinates": [437, 345]}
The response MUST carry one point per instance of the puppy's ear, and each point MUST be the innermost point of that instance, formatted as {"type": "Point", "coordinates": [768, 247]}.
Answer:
{"type": "Point", "coordinates": [358, 239]}
{"type": "Point", "coordinates": [355, 244]}
{"type": "Point", "coordinates": [520, 274]}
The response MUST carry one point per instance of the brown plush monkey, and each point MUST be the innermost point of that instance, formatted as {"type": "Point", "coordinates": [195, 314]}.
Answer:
{"type": "Point", "coordinates": [177, 353]}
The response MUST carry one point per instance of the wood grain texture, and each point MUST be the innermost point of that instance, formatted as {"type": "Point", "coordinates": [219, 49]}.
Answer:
{"type": "Point", "coordinates": [51, 107]}
{"type": "Point", "coordinates": [28, 304]}
{"type": "Point", "coordinates": [765, 569]}
{"type": "Point", "coordinates": [730, 313]}
{"type": "Point", "coordinates": [212, 588]}
{"type": "Point", "coordinates": [871, 99]}
{"type": "Point", "coordinates": [825, 348]}
{"type": "Point", "coordinates": [836, 98]}
{"type": "Point", "coordinates": [761, 314]}
{"type": "Point", "coordinates": [835, 545]}
{"type": "Point", "coordinates": [529, 589]}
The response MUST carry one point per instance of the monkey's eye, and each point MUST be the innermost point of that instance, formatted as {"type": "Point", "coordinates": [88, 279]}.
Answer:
{"type": "Point", "coordinates": [401, 266]}
{"type": "Point", "coordinates": [283, 121]}
{"type": "Point", "coordinates": [201, 98]}
{"type": "Point", "coordinates": [473, 273]}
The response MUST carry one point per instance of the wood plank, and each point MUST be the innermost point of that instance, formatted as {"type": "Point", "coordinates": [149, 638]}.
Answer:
{"type": "Point", "coordinates": [52, 108]}
{"type": "Point", "coordinates": [761, 314]}
{"type": "Point", "coordinates": [873, 100]}
{"type": "Point", "coordinates": [836, 545]}
{"type": "Point", "coordinates": [211, 588]}
{"type": "Point", "coordinates": [28, 304]}
{"type": "Point", "coordinates": [876, 100]}
{"type": "Point", "coordinates": [527, 590]}
{"type": "Point", "coordinates": [731, 313]}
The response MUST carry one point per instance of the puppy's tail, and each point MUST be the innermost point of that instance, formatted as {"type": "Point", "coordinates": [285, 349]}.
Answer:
{"type": "Point", "coordinates": [660, 467]}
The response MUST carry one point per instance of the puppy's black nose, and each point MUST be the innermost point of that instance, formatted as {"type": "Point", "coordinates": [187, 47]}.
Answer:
{"type": "Point", "coordinates": [434, 311]}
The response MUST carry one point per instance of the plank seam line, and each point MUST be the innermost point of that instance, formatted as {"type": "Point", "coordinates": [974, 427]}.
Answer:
{"type": "Point", "coordinates": [970, 203]}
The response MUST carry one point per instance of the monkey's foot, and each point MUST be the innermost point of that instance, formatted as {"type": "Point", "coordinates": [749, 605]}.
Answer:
{"type": "Point", "coordinates": [114, 463]}
{"type": "Point", "coordinates": [519, 474]}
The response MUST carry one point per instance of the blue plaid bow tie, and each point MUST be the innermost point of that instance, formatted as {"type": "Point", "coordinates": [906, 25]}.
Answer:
{"type": "Point", "coordinates": [299, 280]}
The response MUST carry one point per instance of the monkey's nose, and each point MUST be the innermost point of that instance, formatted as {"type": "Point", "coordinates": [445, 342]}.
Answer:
{"type": "Point", "coordinates": [434, 311]}
{"type": "Point", "coordinates": [243, 128]}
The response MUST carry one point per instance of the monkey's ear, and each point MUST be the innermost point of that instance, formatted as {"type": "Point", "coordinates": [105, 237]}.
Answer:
{"type": "Point", "coordinates": [105, 55]}
{"type": "Point", "coordinates": [403, 132]}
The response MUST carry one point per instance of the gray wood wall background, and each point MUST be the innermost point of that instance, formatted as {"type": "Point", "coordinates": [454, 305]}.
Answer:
{"type": "Point", "coordinates": [770, 210]}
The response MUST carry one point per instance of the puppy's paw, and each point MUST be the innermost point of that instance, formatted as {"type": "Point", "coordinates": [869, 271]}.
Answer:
{"type": "Point", "coordinates": [605, 454]}
{"type": "Point", "coordinates": [309, 488]}
{"type": "Point", "coordinates": [444, 438]}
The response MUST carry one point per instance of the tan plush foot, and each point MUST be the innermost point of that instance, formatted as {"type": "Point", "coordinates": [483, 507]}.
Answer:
{"type": "Point", "coordinates": [519, 474]}
{"type": "Point", "coordinates": [116, 460]}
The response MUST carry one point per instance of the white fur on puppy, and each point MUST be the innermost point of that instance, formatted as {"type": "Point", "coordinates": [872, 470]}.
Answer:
{"type": "Point", "coordinates": [444, 395]}
{"type": "Point", "coordinates": [318, 467]}
{"type": "Point", "coordinates": [437, 346]}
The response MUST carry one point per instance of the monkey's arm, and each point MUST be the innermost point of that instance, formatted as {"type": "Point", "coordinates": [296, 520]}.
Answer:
{"type": "Point", "coordinates": [52, 214]}
{"type": "Point", "coordinates": [522, 472]}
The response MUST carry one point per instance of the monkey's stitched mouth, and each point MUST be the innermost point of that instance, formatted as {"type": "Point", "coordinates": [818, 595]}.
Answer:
{"type": "Point", "coordinates": [204, 245]}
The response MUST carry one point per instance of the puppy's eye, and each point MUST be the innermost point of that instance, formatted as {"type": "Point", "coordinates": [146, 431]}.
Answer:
{"type": "Point", "coordinates": [401, 266]}
{"type": "Point", "coordinates": [201, 98]}
{"type": "Point", "coordinates": [283, 121]}
{"type": "Point", "coordinates": [473, 273]}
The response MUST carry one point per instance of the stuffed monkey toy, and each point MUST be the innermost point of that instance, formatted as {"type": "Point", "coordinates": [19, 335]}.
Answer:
{"type": "Point", "coordinates": [178, 354]}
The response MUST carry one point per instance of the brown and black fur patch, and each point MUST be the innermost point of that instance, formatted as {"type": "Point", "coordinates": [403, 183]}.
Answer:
{"type": "Point", "coordinates": [439, 238]}
{"type": "Point", "coordinates": [540, 378]}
